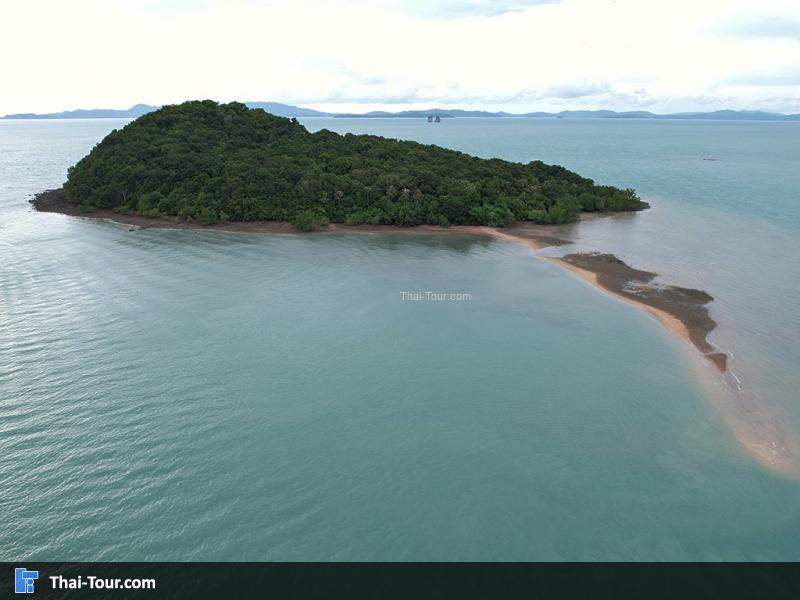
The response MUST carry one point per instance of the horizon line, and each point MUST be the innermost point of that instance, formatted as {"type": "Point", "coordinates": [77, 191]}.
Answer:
{"type": "Point", "coordinates": [433, 109]}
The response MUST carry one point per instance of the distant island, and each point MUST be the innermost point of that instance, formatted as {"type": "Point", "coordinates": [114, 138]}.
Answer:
{"type": "Point", "coordinates": [207, 162]}
{"type": "Point", "coordinates": [288, 110]}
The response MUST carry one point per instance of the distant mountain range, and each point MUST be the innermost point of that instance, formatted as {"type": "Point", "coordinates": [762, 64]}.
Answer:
{"type": "Point", "coordinates": [722, 115]}
{"type": "Point", "coordinates": [421, 114]}
{"type": "Point", "coordinates": [93, 113]}
{"type": "Point", "coordinates": [287, 110]}
{"type": "Point", "coordinates": [276, 108]}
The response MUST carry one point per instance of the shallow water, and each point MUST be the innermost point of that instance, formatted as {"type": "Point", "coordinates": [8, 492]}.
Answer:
{"type": "Point", "coordinates": [183, 395]}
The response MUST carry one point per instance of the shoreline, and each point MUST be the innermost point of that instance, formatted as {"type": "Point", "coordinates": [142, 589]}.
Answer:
{"type": "Point", "coordinates": [53, 201]}
{"type": "Point", "coordinates": [682, 312]}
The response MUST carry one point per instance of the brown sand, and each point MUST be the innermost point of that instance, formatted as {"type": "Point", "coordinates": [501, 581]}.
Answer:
{"type": "Point", "coordinates": [682, 311]}
{"type": "Point", "coordinates": [55, 202]}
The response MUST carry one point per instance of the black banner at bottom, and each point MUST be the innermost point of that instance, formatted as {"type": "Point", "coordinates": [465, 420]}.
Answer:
{"type": "Point", "coordinates": [400, 580]}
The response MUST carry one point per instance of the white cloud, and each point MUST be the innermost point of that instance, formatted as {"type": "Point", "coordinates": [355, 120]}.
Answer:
{"type": "Point", "coordinates": [762, 26]}
{"type": "Point", "coordinates": [577, 89]}
{"type": "Point", "coordinates": [784, 76]}
{"type": "Point", "coordinates": [369, 54]}
{"type": "Point", "coordinates": [457, 9]}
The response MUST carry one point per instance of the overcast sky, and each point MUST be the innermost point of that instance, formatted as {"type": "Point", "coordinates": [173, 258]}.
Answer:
{"type": "Point", "coordinates": [517, 55]}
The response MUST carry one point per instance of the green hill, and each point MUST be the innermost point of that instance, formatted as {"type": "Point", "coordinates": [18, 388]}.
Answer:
{"type": "Point", "coordinates": [210, 162]}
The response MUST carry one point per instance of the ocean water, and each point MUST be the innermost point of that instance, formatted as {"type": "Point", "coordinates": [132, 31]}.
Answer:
{"type": "Point", "coordinates": [176, 395]}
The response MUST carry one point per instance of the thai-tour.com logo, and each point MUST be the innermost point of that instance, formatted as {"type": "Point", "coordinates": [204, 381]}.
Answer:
{"type": "Point", "coordinates": [24, 580]}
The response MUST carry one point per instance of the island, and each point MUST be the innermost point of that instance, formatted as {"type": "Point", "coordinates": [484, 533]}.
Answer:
{"type": "Point", "coordinates": [207, 162]}
{"type": "Point", "coordinates": [201, 164]}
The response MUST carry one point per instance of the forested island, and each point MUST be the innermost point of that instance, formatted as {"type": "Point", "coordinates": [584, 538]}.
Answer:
{"type": "Point", "coordinates": [208, 162]}
{"type": "Point", "coordinates": [202, 164]}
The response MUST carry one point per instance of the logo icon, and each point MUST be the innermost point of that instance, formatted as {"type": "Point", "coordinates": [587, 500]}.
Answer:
{"type": "Point", "coordinates": [23, 580]}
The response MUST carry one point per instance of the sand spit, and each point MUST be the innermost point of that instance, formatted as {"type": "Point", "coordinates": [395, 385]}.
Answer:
{"type": "Point", "coordinates": [682, 311]}
{"type": "Point", "coordinates": [757, 427]}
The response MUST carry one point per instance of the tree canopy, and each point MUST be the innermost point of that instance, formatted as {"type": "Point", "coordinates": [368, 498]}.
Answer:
{"type": "Point", "coordinates": [214, 162]}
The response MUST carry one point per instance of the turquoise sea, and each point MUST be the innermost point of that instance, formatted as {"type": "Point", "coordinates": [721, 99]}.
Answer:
{"type": "Point", "coordinates": [177, 395]}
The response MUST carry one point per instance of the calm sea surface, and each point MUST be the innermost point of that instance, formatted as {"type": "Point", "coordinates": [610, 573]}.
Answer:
{"type": "Point", "coordinates": [215, 396]}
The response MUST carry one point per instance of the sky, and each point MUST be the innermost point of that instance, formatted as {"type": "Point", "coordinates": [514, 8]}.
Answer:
{"type": "Point", "coordinates": [360, 55]}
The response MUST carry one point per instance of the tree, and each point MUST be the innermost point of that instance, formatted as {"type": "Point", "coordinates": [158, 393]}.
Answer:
{"type": "Point", "coordinates": [309, 220]}
{"type": "Point", "coordinates": [207, 216]}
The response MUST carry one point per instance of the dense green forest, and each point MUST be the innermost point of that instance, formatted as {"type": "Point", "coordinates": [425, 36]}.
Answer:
{"type": "Point", "coordinates": [215, 162]}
